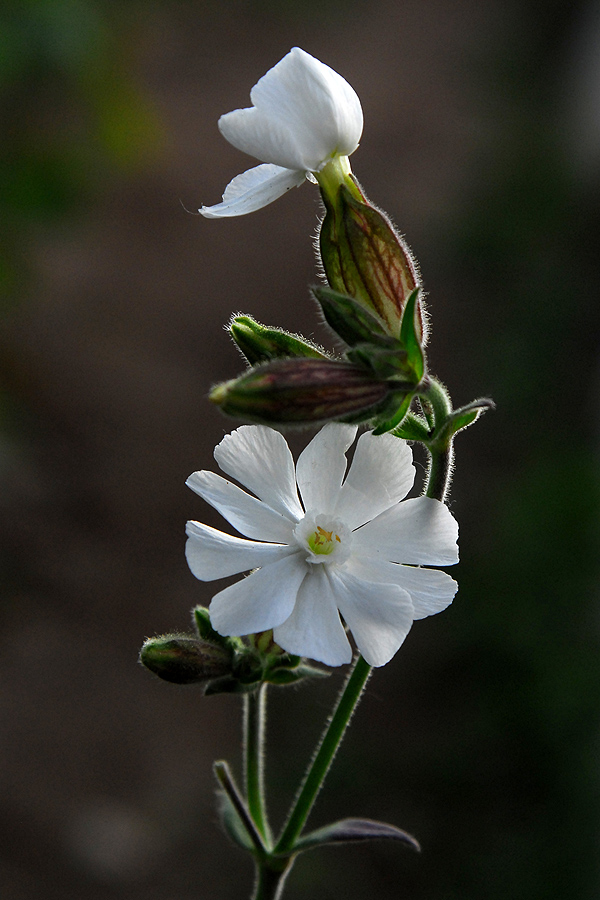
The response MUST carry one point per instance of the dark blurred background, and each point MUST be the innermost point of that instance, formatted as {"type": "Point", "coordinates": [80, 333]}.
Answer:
{"type": "Point", "coordinates": [482, 737]}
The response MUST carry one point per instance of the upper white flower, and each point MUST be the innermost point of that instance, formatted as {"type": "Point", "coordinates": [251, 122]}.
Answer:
{"type": "Point", "coordinates": [339, 546]}
{"type": "Point", "coordinates": [303, 115]}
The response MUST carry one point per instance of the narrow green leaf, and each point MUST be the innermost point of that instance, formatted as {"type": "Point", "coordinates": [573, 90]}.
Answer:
{"type": "Point", "coordinates": [465, 415]}
{"type": "Point", "coordinates": [410, 330]}
{"type": "Point", "coordinates": [464, 421]}
{"type": "Point", "coordinates": [236, 816]}
{"type": "Point", "coordinates": [232, 823]}
{"type": "Point", "coordinates": [352, 831]}
{"type": "Point", "coordinates": [413, 428]}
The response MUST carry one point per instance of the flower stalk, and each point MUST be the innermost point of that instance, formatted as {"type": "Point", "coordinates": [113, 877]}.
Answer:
{"type": "Point", "coordinates": [270, 880]}
{"type": "Point", "coordinates": [441, 451]}
{"type": "Point", "coordinates": [273, 866]}
{"type": "Point", "coordinates": [254, 736]}
{"type": "Point", "coordinates": [328, 747]}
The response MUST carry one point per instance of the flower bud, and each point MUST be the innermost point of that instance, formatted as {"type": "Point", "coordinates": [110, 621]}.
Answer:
{"type": "Point", "coordinates": [184, 660]}
{"type": "Point", "coordinates": [260, 344]}
{"type": "Point", "coordinates": [302, 391]}
{"type": "Point", "coordinates": [364, 256]}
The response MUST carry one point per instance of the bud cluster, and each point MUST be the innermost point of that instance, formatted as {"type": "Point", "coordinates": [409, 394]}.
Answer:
{"type": "Point", "coordinates": [229, 665]}
{"type": "Point", "coordinates": [372, 304]}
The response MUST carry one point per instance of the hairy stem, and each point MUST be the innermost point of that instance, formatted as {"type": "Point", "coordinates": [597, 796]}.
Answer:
{"type": "Point", "coordinates": [254, 734]}
{"type": "Point", "coordinates": [440, 448]}
{"type": "Point", "coordinates": [327, 749]}
{"type": "Point", "coordinates": [270, 882]}
{"type": "Point", "coordinates": [440, 473]}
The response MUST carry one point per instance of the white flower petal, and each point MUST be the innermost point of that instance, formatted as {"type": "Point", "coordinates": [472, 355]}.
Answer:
{"type": "Point", "coordinates": [213, 554]}
{"type": "Point", "coordinates": [419, 532]}
{"type": "Point", "coordinates": [371, 587]}
{"type": "Point", "coordinates": [263, 137]}
{"type": "Point", "coordinates": [431, 590]}
{"type": "Point", "coordinates": [249, 516]}
{"type": "Point", "coordinates": [261, 601]}
{"type": "Point", "coordinates": [322, 465]}
{"type": "Point", "coordinates": [314, 628]}
{"type": "Point", "coordinates": [378, 615]}
{"type": "Point", "coordinates": [315, 104]}
{"type": "Point", "coordinates": [380, 476]}
{"type": "Point", "coordinates": [252, 190]}
{"type": "Point", "coordinates": [260, 459]}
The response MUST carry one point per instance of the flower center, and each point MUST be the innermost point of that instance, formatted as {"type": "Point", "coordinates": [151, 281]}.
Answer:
{"type": "Point", "coordinates": [325, 539]}
{"type": "Point", "coordinates": [321, 541]}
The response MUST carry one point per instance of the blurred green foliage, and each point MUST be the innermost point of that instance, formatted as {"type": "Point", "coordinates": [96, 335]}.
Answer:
{"type": "Point", "coordinates": [70, 113]}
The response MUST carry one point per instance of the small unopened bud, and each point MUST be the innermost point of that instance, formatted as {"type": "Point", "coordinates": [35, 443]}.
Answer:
{"type": "Point", "coordinates": [302, 391]}
{"type": "Point", "coordinates": [364, 256]}
{"type": "Point", "coordinates": [260, 344]}
{"type": "Point", "coordinates": [184, 660]}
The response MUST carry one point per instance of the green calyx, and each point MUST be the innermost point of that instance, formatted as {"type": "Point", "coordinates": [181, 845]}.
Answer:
{"type": "Point", "coordinates": [260, 343]}
{"type": "Point", "coordinates": [364, 257]}
{"type": "Point", "coordinates": [182, 659]}
{"type": "Point", "coordinates": [349, 319]}
{"type": "Point", "coordinates": [303, 392]}
{"type": "Point", "coordinates": [294, 383]}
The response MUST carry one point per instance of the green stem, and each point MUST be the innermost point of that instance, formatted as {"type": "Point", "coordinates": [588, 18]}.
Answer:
{"type": "Point", "coordinates": [254, 733]}
{"type": "Point", "coordinates": [270, 882]}
{"type": "Point", "coordinates": [440, 472]}
{"type": "Point", "coordinates": [437, 396]}
{"type": "Point", "coordinates": [324, 757]}
{"type": "Point", "coordinates": [441, 451]}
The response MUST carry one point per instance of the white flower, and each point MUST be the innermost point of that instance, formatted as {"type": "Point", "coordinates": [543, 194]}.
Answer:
{"type": "Point", "coordinates": [347, 547]}
{"type": "Point", "coordinates": [303, 115]}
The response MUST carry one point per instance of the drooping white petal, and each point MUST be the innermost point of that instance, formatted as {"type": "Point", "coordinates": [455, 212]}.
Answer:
{"type": "Point", "coordinates": [380, 476]}
{"type": "Point", "coordinates": [419, 532]}
{"type": "Point", "coordinates": [260, 459]}
{"type": "Point", "coordinates": [431, 590]}
{"type": "Point", "coordinates": [213, 554]}
{"type": "Point", "coordinates": [254, 189]}
{"type": "Point", "coordinates": [322, 465]}
{"type": "Point", "coordinates": [261, 601]}
{"type": "Point", "coordinates": [319, 108]}
{"type": "Point", "coordinates": [249, 516]}
{"type": "Point", "coordinates": [264, 137]}
{"type": "Point", "coordinates": [378, 615]}
{"type": "Point", "coordinates": [314, 628]}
